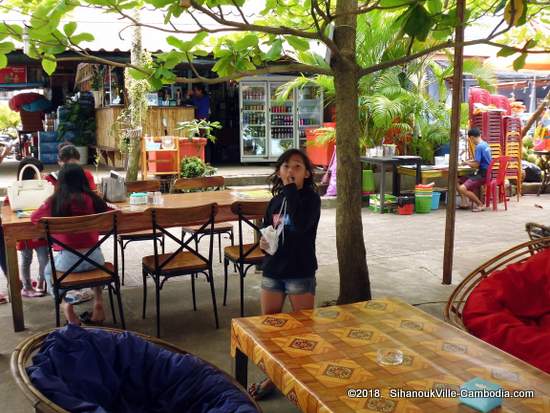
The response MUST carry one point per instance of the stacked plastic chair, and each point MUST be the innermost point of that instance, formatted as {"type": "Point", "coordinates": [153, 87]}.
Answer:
{"type": "Point", "coordinates": [501, 102]}
{"type": "Point", "coordinates": [513, 150]}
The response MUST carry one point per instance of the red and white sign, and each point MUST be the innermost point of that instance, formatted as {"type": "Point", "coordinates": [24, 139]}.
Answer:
{"type": "Point", "coordinates": [13, 74]}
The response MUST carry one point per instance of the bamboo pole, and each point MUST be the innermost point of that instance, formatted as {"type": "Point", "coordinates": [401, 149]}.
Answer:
{"type": "Point", "coordinates": [455, 130]}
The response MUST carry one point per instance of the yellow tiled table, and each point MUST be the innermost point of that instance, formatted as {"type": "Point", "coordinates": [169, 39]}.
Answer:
{"type": "Point", "coordinates": [316, 356]}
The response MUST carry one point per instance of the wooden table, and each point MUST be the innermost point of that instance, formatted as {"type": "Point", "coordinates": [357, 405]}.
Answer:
{"type": "Point", "coordinates": [429, 173]}
{"type": "Point", "coordinates": [16, 229]}
{"type": "Point", "coordinates": [545, 166]}
{"type": "Point", "coordinates": [316, 356]}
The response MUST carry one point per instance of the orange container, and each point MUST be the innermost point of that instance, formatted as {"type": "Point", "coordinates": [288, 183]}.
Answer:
{"type": "Point", "coordinates": [161, 161]}
{"type": "Point", "coordinates": [319, 154]}
{"type": "Point", "coordinates": [547, 143]}
{"type": "Point", "coordinates": [192, 147]}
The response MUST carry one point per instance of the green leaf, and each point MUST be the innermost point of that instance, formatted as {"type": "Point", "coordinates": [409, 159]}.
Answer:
{"type": "Point", "coordinates": [250, 40]}
{"type": "Point", "coordinates": [506, 51]}
{"type": "Point", "coordinates": [69, 28]}
{"type": "Point", "coordinates": [275, 51]}
{"type": "Point", "coordinates": [297, 43]}
{"type": "Point", "coordinates": [82, 37]}
{"type": "Point", "coordinates": [49, 64]}
{"type": "Point", "coordinates": [136, 74]}
{"type": "Point", "coordinates": [394, 3]}
{"type": "Point", "coordinates": [177, 43]}
{"type": "Point", "coordinates": [419, 22]}
{"type": "Point", "coordinates": [520, 61]}
{"type": "Point", "coordinates": [3, 61]}
{"type": "Point", "coordinates": [198, 38]}
{"type": "Point", "coordinates": [199, 52]}
{"type": "Point", "coordinates": [434, 6]}
{"type": "Point", "coordinates": [530, 44]}
{"type": "Point", "coordinates": [155, 83]}
{"type": "Point", "coordinates": [499, 7]}
{"type": "Point", "coordinates": [6, 47]}
{"type": "Point", "coordinates": [312, 59]}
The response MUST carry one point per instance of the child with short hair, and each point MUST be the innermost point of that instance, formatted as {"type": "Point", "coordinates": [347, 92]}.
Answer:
{"type": "Point", "coordinates": [69, 154]}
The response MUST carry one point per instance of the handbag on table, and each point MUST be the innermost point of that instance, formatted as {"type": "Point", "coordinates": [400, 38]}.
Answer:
{"type": "Point", "coordinates": [113, 188]}
{"type": "Point", "coordinates": [31, 193]}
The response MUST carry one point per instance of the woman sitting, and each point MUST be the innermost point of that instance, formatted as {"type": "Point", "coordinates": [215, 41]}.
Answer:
{"type": "Point", "coordinates": [73, 197]}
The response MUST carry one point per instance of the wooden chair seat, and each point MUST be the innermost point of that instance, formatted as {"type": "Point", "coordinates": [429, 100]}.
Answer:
{"type": "Point", "coordinates": [86, 277]}
{"type": "Point", "coordinates": [218, 228]}
{"type": "Point", "coordinates": [184, 262]}
{"type": "Point", "coordinates": [139, 235]}
{"type": "Point", "coordinates": [232, 253]}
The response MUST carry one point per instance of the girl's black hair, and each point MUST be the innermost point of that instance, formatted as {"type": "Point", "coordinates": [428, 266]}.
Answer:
{"type": "Point", "coordinates": [276, 183]}
{"type": "Point", "coordinates": [29, 173]}
{"type": "Point", "coordinates": [72, 186]}
{"type": "Point", "coordinates": [68, 153]}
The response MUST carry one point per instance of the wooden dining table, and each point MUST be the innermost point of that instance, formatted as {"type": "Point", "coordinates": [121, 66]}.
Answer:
{"type": "Point", "coordinates": [133, 219]}
{"type": "Point", "coordinates": [326, 360]}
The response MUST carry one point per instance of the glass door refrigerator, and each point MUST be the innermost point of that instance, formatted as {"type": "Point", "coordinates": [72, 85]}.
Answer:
{"type": "Point", "coordinates": [270, 126]}
{"type": "Point", "coordinates": [309, 111]}
{"type": "Point", "coordinates": [281, 122]}
{"type": "Point", "coordinates": [254, 131]}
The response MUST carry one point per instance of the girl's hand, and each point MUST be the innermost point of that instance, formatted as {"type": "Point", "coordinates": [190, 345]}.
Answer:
{"type": "Point", "coordinates": [264, 245]}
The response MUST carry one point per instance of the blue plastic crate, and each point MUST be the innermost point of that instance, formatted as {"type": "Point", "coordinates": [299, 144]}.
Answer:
{"type": "Point", "coordinates": [47, 137]}
{"type": "Point", "coordinates": [48, 147]}
{"type": "Point", "coordinates": [48, 158]}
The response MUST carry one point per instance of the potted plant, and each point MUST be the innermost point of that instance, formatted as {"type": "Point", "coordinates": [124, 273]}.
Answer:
{"type": "Point", "coordinates": [196, 133]}
{"type": "Point", "coordinates": [97, 85]}
{"type": "Point", "coordinates": [77, 127]}
{"type": "Point", "coordinates": [195, 167]}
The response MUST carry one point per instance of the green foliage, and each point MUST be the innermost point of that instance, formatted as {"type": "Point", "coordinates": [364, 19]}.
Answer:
{"type": "Point", "coordinates": [9, 121]}
{"type": "Point", "coordinates": [79, 121]}
{"type": "Point", "coordinates": [194, 167]}
{"type": "Point", "coordinates": [202, 128]}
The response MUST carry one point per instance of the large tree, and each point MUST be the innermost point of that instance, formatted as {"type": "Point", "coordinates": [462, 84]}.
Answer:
{"type": "Point", "coordinates": [250, 40]}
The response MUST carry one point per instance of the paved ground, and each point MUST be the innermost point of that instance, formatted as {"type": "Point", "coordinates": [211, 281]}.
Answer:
{"type": "Point", "coordinates": [405, 258]}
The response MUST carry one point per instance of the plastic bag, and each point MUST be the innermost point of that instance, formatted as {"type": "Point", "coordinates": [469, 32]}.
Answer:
{"type": "Point", "coordinates": [271, 234]}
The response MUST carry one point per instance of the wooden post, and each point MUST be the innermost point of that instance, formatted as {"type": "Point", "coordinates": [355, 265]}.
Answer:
{"type": "Point", "coordinates": [455, 130]}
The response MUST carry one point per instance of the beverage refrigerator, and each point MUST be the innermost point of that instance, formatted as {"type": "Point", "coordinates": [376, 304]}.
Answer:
{"type": "Point", "coordinates": [270, 125]}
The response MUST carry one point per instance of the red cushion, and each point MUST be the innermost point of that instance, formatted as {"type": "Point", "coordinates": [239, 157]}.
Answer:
{"type": "Point", "coordinates": [511, 310]}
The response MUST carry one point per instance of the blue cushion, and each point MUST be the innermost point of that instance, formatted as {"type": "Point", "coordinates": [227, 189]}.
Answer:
{"type": "Point", "coordinates": [97, 371]}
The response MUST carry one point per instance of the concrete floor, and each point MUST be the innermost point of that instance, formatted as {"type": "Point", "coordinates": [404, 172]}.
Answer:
{"type": "Point", "coordinates": [405, 256]}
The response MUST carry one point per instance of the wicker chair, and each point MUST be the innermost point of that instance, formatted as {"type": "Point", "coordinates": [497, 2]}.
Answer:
{"type": "Point", "coordinates": [537, 231]}
{"type": "Point", "coordinates": [458, 298]}
{"type": "Point", "coordinates": [23, 353]}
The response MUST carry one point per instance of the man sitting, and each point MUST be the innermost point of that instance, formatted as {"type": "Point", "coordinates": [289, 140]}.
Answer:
{"type": "Point", "coordinates": [473, 182]}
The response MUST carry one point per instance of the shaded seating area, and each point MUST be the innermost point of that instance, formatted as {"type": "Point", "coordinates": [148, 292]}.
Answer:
{"type": "Point", "coordinates": [506, 302]}
{"type": "Point", "coordinates": [112, 370]}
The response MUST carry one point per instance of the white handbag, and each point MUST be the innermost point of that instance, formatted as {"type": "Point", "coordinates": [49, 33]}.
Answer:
{"type": "Point", "coordinates": [271, 234]}
{"type": "Point", "coordinates": [29, 194]}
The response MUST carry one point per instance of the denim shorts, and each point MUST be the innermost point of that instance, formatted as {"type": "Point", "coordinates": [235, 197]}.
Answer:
{"type": "Point", "coordinates": [65, 259]}
{"type": "Point", "coordinates": [290, 286]}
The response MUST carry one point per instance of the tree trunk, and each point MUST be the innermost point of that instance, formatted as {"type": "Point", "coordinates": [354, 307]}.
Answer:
{"type": "Point", "coordinates": [352, 259]}
{"type": "Point", "coordinates": [458, 62]}
{"type": "Point", "coordinates": [134, 152]}
{"type": "Point", "coordinates": [133, 103]}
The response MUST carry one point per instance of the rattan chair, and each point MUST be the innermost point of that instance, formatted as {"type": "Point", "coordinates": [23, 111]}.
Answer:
{"type": "Point", "coordinates": [205, 183]}
{"type": "Point", "coordinates": [457, 300]}
{"type": "Point", "coordinates": [21, 358]}
{"type": "Point", "coordinates": [537, 231]}
{"type": "Point", "coordinates": [151, 185]}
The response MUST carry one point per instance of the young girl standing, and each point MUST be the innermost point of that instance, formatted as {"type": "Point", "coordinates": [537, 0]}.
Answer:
{"type": "Point", "coordinates": [296, 206]}
{"type": "Point", "coordinates": [40, 246]}
{"type": "Point", "coordinates": [73, 197]}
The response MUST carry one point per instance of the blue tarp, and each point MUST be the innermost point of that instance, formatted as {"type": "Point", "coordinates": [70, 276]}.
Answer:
{"type": "Point", "coordinates": [86, 370]}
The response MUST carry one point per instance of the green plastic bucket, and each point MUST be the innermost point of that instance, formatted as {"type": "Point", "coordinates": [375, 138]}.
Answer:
{"type": "Point", "coordinates": [422, 204]}
{"type": "Point", "coordinates": [368, 181]}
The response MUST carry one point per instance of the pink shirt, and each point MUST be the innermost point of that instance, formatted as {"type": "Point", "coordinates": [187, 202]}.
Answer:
{"type": "Point", "coordinates": [83, 240]}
